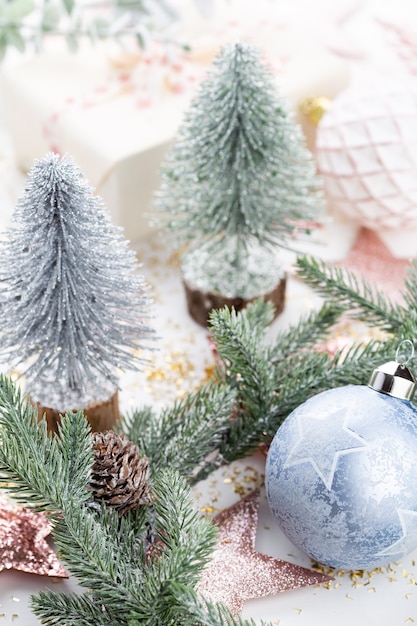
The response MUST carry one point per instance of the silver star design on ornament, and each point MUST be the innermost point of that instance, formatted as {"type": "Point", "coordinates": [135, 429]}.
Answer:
{"type": "Point", "coordinates": [408, 541]}
{"type": "Point", "coordinates": [324, 453]}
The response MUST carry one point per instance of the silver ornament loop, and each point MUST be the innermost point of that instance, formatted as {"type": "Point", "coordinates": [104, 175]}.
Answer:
{"type": "Point", "coordinates": [395, 378]}
{"type": "Point", "coordinates": [410, 351]}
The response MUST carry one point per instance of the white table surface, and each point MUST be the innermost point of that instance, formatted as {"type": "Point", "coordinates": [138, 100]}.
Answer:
{"type": "Point", "coordinates": [385, 598]}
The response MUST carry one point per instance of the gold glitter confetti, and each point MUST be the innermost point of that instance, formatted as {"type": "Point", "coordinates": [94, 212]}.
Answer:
{"type": "Point", "coordinates": [207, 509]}
{"type": "Point", "coordinates": [243, 480]}
{"type": "Point", "coordinates": [171, 373]}
{"type": "Point", "coordinates": [363, 578]}
{"type": "Point", "coordinates": [209, 371]}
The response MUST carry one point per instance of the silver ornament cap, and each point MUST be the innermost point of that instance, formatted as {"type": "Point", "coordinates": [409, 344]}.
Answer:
{"type": "Point", "coordinates": [394, 379]}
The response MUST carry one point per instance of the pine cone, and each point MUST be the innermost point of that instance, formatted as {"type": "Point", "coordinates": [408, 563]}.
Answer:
{"type": "Point", "coordinates": [119, 474]}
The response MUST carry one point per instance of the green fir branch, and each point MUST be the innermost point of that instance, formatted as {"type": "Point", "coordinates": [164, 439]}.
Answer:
{"type": "Point", "coordinates": [183, 435]}
{"type": "Point", "coordinates": [267, 381]}
{"type": "Point", "coordinates": [224, 419]}
{"type": "Point", "coordinates": [258, 315]}
{"type": "Point", "coordinates": [255, 372]}
{"type": "Point", "coordinates": [192, 535]}
{"type": "Point", "coordinates": [305, 375]}
{"type": "Point", "coordinates": [96, 550]}
{"type": "Point", "coordinates": [263, 373]}
{"type": "Point", "coordinates": [141, 426]}
{"type": "Point", "coordinates": [52, 469]}
{"type": "Point", "coordinates": [101, 553]}
{"type": "Point", "coordinates": [240, 346]}
{"type": "Point", "coordinates": [309, 331]}
{"type": "Point", "coordinates": [355, 365]}
{"type": "Point", "coordinates": [186, 541]}
{"type": "Point", "coordinates": [106, 554]}
{"type": "Point", "coordinates": [270, 385]}
{"type": "Point", "coordinates": [140, 523]}
{"type": "Point", "coordinates": [296, 380]}
{"type": "Point", "coordinates": [69, 609]}
{"type": "Point", "coordinates": [238, 341]}
{"type": "Point", "coordinates": [359, 298]}
{"type": "Point", "coordinates": [409, 294]}
{"type": "Point", "coordinates": [60, 609]}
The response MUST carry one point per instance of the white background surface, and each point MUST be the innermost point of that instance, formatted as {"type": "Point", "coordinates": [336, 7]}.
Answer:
{"type": "Point", "coordinates": [389, 597]}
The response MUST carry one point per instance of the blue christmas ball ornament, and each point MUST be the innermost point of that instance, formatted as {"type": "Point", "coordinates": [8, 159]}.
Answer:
{"type": "Point", "coordinates": [341, 472]}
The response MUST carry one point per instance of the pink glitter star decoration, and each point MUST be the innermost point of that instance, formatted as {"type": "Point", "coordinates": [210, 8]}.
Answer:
{"type": "Point", "coordinates": [237, 572]}
{"type": "Point", "coordinates": [370, 258]}
{"type": "Point", "coordinates": [22, 542]}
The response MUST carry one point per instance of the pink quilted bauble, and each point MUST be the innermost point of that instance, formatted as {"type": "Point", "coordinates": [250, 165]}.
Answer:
{"type": "Point", "coordinates": [366, 150]}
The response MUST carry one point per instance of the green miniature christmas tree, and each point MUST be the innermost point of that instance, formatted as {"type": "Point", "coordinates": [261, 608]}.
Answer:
{"type": "Point", "coordinates": [235, 185]}
{"type": "Point", "coordinates": [72, 301]}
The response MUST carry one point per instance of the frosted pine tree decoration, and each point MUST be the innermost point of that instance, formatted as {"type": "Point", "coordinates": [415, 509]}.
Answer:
{"type": "Point", "coordinates": [72, 301]}
{"type": "Point", "coordinates": [236, 183]}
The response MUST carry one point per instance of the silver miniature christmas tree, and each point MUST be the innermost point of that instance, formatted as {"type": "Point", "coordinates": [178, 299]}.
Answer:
{"type": "Point", "coordinates": [238, 179]}
{"type": "Point", "coordinates": [72, 304]}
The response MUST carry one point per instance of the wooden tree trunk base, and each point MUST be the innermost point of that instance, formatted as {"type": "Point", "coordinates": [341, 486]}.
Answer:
{"type": "Point", "coordinates": [200, 303]}
{"type": "Point", "coordinates": [101, 415]}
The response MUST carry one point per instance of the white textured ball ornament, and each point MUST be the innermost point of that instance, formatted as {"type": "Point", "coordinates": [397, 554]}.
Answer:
{"type": "Point", "coordinates": [366, 149]}
{"type": "Point", "coordinates": [341, 473]}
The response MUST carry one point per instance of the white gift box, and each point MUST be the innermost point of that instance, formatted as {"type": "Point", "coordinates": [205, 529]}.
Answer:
{"type": "Point", "coordinates": [116, 114]}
